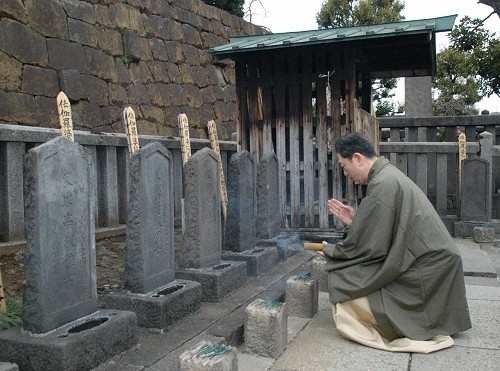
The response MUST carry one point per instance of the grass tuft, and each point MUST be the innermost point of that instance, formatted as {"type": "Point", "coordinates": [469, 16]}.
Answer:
{"type": "Point", "coordinates": [12, 317]}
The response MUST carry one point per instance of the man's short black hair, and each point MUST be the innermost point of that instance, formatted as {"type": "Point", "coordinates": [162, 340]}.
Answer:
{"type": "Point", "coordinates": [350, 143]}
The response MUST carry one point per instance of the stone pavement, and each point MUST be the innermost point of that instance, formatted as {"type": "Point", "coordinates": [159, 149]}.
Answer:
{"type": "Point", "coordinates": [314, 344]}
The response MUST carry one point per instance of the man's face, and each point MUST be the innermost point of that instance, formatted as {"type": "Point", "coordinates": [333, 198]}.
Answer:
{"type": "Point", "coordinates": [353, 168]}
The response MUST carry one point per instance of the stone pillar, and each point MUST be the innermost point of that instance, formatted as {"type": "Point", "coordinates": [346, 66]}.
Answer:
{"type": "Point", "coordinates": [11, 181]}
{"type": "Point", "coordinates": [302, 296]}
{"type": "Point", "coordinates": [486, 141]}
{"type": "Point", "coordinates": [266, 328]}
{"type": "Point", "coordinates": [418, 96]}
{"type": "Point", "coordinates": [107, 186]}
{"type": "Point", "coordinates": [318, 270]}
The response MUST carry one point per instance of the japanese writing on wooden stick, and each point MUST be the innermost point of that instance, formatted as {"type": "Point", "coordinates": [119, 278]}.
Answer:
{"type": "Point", "coordinates": [214, 140]}
{"type": "Point", "coordinates": [184, 134]}
{"type": "Point", "coordinates": [131, 129]}
{"type": "Point", "coordinates": [65, 120]}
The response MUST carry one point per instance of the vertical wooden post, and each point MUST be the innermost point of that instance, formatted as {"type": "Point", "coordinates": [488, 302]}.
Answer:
{"type": "Point", "coordinates": [65, 118]}
{"type": "Point", "coordinates": [184, 134]}
{"type": "Point", "coordinates": [462, 155]}
{"type": "Point", "coordinates": [214, 140]}
{"type": "Point", "coordinates": [131, 130]}
{"type": "Point", "coordinates": [186, 154]}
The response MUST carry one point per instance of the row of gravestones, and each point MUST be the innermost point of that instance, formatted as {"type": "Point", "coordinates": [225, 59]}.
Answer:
{"type": "Point", "coordinates": [60, 313]}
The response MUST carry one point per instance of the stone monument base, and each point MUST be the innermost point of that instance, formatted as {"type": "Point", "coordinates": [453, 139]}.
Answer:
{"type": "Point", "coordinates": [79, 345]}
{"type": "Point", "coordinates": [465, 229]}
{"type": "Point", "coordinates": [284, 250]}
{"type": "Point", "coordinates": [259, 259]}
{"type": "Point", "coordinates": [160, 308]}
{"type": "Point", "coordinates": [216, 280]}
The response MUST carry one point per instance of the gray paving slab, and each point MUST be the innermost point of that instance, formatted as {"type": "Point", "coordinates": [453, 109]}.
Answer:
{"type": "Point", "coordinates": [482, 281]}
{"type": "Point", "coordinates": [458, 359]}
{"type": "Point", "coordinates": [475, 261]}
{"type": "Point", "coordinates": [484, 308]}
{"type": "Point", "coordinates": [320, 347]}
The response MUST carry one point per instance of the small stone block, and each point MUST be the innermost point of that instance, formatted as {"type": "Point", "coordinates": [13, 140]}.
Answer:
{"type": "Point", "coordinates": [302, 296]}
{"type": "Point", "coordinates": [209, 356]}
{"type": "Point", "coordinates": [318, 270]}
{"type": "Point", "coordinates": [484, 234]}
{"type": "Point", "coordinates": [266, 328]}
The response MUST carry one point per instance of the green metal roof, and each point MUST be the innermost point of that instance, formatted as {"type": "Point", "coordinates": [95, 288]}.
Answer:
{"type": "Point", "coordinates": [239, 45]}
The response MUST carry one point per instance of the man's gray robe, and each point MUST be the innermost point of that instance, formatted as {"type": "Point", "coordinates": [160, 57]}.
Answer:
{"type": "Point", "coordinates": [400, 255]}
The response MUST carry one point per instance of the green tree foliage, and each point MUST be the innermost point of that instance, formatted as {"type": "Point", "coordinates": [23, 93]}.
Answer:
{"type": "Point", "coordinates": [232, 6]}
{"type": "Point", "coordinates": [349, 13]}
{"type": "Point", "coordinates": [468, 70]}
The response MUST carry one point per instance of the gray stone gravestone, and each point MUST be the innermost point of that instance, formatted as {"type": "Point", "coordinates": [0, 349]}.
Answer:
{"type": "Point", "coordinates": [269, 213]}
{"type": "Point", "coordinates": [150, 286]}
{"type": "Point", "coordinates": [60, 314]}
{"type": "Point", "coordinates": [60, 235]}
{"type": "Point", "coordinates": [241, 218]}
{"type": "Point", "coordinates": [242, 205]}
{"type": "Point", "coordinates": [202, 240]}
{"type": "Point", "coordinates": [475, 196]}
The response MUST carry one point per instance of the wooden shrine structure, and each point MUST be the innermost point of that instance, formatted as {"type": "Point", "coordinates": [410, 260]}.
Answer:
{"type": "Point", "coordinates": [298, 92]}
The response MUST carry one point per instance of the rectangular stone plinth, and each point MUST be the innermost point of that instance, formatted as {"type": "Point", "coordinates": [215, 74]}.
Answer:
{"type": "Point", "coordinates": [209, 356]}
{"type": "Point", "coordinates": [160, 308]}
{"type": "Point", "coordinates": [302, 296]}
{"type": "Point", "coordinates": [266, 328]}
{"type": "Point", "coordinates": [259, 259]}
{"type": "Point", "coordinates": [465, 229]}
{"type": "Point", "coordinates": [79, 345]}
{"type": "Point", "coordinates": [216, 280]}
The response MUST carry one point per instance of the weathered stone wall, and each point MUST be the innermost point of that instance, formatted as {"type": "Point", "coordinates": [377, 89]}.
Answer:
{"type": "Point", "coordinates": [106, 54]}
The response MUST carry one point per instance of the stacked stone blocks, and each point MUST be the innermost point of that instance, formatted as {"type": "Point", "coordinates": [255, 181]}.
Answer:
{"type": "Point", "coordinates": [104, 55]}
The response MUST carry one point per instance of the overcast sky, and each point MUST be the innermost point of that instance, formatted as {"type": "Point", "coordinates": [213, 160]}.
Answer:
{"type": "Point", "coordinates": [300, 15]}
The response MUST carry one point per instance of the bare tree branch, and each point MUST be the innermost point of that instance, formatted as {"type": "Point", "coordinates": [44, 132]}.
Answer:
{"type": "Point", "coordinates": [494, 4]}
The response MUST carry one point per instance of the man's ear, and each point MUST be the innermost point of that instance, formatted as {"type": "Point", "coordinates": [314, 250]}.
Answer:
{"type": "Point", "coordinates": [358, 157]}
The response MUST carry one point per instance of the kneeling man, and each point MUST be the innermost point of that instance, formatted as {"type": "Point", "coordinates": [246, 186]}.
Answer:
{"type": "Point", "coordinates": [396, 281]}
